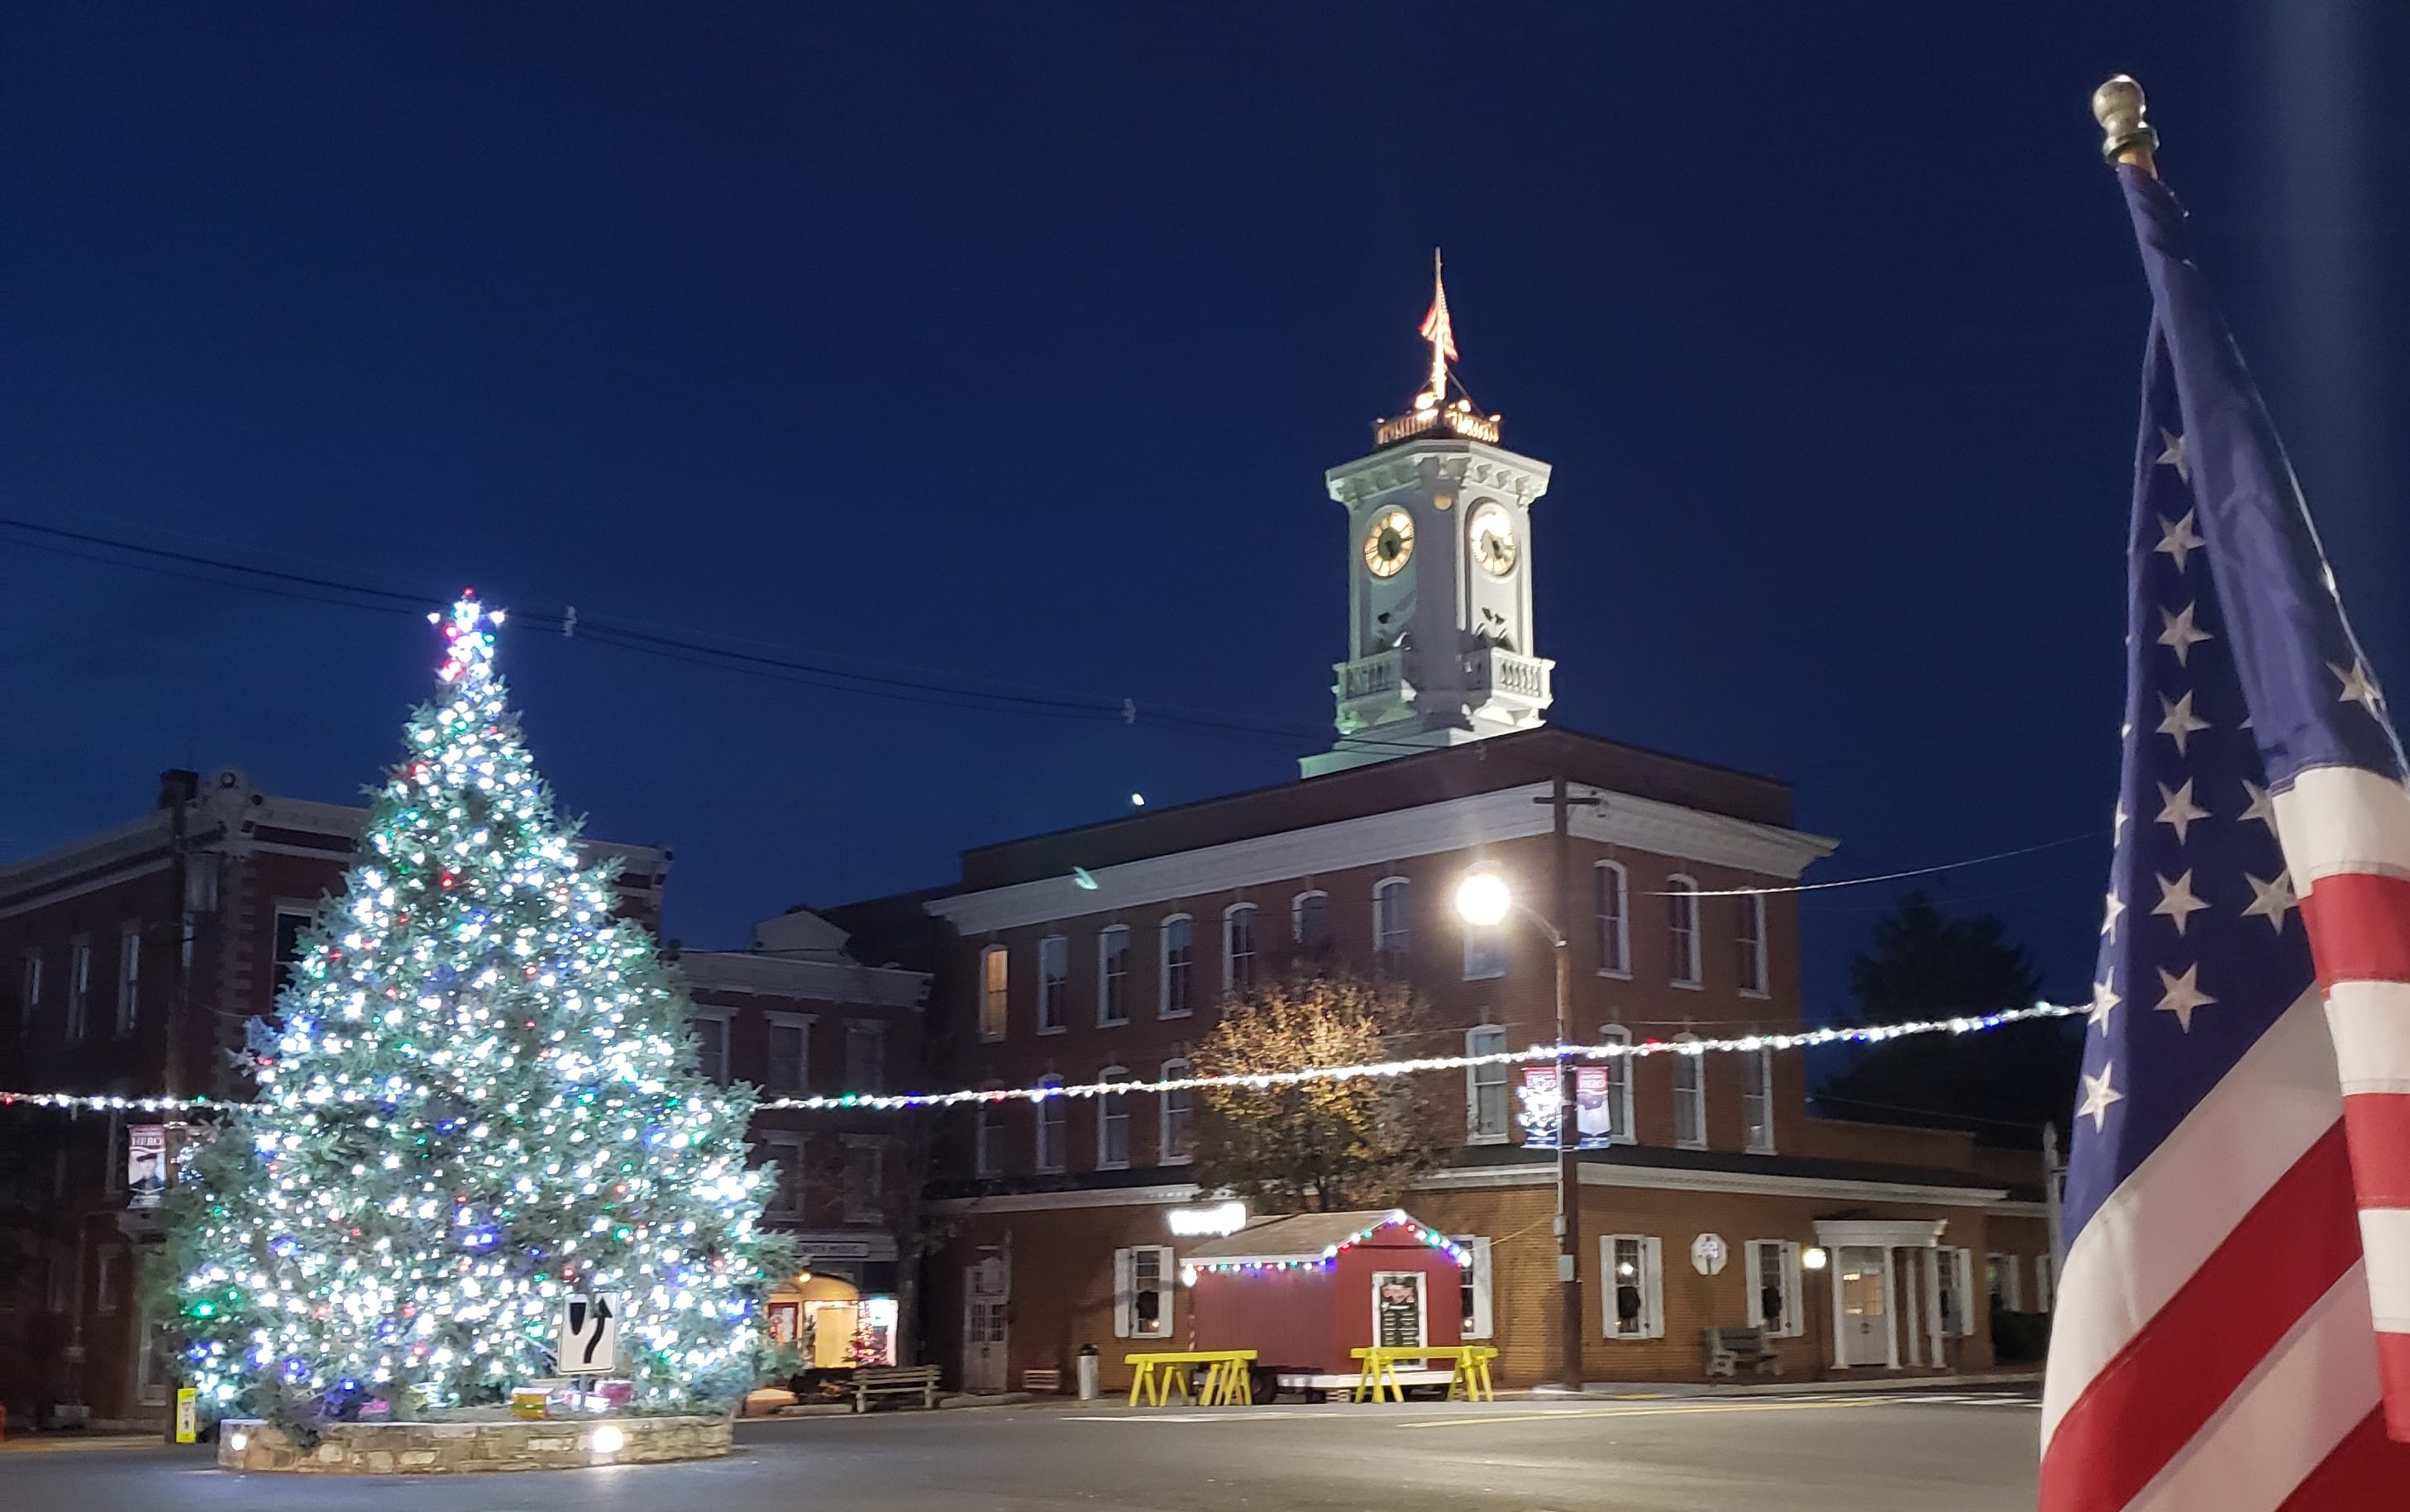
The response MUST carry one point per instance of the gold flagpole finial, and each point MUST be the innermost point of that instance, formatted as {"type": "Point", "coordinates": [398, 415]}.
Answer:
{"type": "Point", "coordinates": [2125, 135]}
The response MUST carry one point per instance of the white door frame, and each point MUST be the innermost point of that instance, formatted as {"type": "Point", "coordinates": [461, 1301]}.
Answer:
{"type": "Point", "coordinates": [1884, 1234]}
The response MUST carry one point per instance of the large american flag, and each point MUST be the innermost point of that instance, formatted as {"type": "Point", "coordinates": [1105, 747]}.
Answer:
{"type": "Point", "coordinates": [2233, 1329]}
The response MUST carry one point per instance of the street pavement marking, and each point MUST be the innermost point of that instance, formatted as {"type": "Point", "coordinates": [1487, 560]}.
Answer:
{"type": "Point", "coordinates": [1628, 1412]}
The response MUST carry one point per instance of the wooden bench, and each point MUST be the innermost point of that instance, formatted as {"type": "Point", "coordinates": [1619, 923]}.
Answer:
{"type": "Point", "coordinates": [1225, 1376]}
{"type": "Point", "coordinates": [1730, 1349]}
{"type": "Point", "coordinates": [894, 1381]}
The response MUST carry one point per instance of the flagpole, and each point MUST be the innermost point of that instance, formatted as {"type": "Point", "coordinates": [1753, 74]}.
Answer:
{"type": "Point", "coordinates": [2126, 137]}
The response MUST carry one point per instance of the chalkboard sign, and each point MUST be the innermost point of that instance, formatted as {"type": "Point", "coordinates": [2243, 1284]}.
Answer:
{"type": "Point", "coordinates": [1398, 1309]}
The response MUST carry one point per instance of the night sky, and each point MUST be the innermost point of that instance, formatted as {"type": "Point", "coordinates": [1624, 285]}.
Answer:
{"type": "Point", "coordinates": [1004, 348]}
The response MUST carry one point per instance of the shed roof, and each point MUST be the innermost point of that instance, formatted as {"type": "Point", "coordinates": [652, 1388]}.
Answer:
{"type": "Point", "coordinates": [1303, 1235]}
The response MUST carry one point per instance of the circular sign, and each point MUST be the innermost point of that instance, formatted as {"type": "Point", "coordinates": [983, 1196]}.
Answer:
{"type": "Point", "coordinates": [1708, 1252]}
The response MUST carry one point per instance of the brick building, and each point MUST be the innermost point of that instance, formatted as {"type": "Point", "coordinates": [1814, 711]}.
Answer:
{"type": "Point", "coordinates": [1104, 953]}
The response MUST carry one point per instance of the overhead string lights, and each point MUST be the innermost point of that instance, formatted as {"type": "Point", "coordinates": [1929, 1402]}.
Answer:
{"type": "Point", "coordinates": [1747, 1044]}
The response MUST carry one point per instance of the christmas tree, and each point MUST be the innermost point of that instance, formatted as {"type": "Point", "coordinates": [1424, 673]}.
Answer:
{"type": "Point", "coordinates": [479, 1098]}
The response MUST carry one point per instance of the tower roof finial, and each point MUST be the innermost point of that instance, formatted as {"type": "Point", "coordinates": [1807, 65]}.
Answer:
{"type": "Point", "coordinates": [1431, 410]}
{"type": "Point", "coordinates": [1437, 330]}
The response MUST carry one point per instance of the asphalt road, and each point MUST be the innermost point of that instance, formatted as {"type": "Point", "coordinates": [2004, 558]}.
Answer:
{"type": "Point", "coordinates": [1968, 1453]}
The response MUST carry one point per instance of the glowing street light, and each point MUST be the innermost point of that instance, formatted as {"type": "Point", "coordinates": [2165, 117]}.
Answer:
{"type": "Point", "coordinates": [1483, 898]}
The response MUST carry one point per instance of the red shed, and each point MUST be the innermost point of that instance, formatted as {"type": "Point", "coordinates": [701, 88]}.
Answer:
{"type": "Point", "coordinates": [1304, 1290]}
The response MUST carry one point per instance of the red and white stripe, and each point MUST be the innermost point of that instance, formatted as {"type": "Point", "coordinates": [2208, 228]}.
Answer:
{"type": "Point", "coordinates": [2346, 836]}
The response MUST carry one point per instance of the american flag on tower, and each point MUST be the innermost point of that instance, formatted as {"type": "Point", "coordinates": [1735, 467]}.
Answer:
{"type": "Point", "coordinates": [2233, 1324]}
{"type": "Point", "coordinates": [1435, 326]}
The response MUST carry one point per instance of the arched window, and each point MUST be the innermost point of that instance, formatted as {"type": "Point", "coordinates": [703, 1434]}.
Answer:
{"type": "Point", "coordinates": [1237, 947]}
{"type": "Point", "coordinates": [1113, 1123]}
{"type": "Point", "coordinates": [1392, 923]}
{"type": "Point", "coordinates": [1682, 927]}
{"type": "Point", "coordinates": [1309, 918]}
{"type": "Point", "coordinates": [987, 1140]}
{"type": "Point", "coordinates": [1613, 886]}
{"type": "Point", "coordinates": [1052, 1119]}
{"type": "Point", "coordinates": [1177, 1150]}
{"type": "Point", "coordinates": [995, 984]}
{"type": "Point", "coordinates": [1179, 941]}
{"type": "Point", "coordinates": [1757, 1102]}
{"type": "Point", "coordinates": [1619, 1085]}
{"type": "Point", "coordinates": [1689, 1094]}
{"type": "Point", "coordinates": [1053, 984]}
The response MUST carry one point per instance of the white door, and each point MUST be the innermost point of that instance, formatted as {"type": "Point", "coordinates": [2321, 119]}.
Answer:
{"type": "Point", "coordinates": [986, 1289]}
{"type": "Point", "coordinates": [1865, 1310]}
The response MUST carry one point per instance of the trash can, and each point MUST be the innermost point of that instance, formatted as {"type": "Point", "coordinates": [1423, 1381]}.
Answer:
{"type": "Point", "coordinates": [1088, 1373]}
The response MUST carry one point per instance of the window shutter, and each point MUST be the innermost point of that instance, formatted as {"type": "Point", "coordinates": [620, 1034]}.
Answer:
{"type": "Point", "coordinates": [1122, 1293]}
{"type": "Point", "coordinates": [1653, 1300]}
{"type": "Point", "coordinates": [1754, 1251]}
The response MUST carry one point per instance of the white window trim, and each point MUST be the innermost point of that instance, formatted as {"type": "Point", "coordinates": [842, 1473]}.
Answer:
{"type": "Point", "coordinates": [1379, 951]}
{"type": "Point", "coordinates": [1622, 919]}
{"type": "Point", "coordinates": [1163, 1009]}
{"type": "Point", "coordinates": [1484, 1321]}
{"type": "Point", "coordinates": [1652, 1287]}
{"type": "Point", "coordinates": [1166, 1152]}
{"type": "Point", "coordinates": [1229, 954]}
{"type": "Point", "coordinates": [987, 1139]}
{"type": "Point", "coordinates": [1753, 907]}
{"type": "Point", "coordinates": [1062, 1024]}
{"type": "Point", "coordinates": [1472, 1134]}
{"type": "Point", "coordinates": [129, 978]}
{"type": "Point", "coordinates": [1962, 1277]}
{"type": "Point", "coordinates": [1795, 1322]}
{"type": "Point", "coordinates": [1038, 1110]}
{"type": "Point", "coordinates": [1104, 975]}
{"type": "Point", "coordinates": [1619, 1088]}
{"type": "Point", "coordinates": [1004, 1020]}
{"type": "Point", "coordinates": [1296, 913]}
{"type": "Point", "coordinates": [2013, 1295]}
{"type": "Point", "coordinates": [1676, 887]}
{"type": "Point", "coordinates": [721, 1017]}
{"type": "Point", "coordinates": [1760, 1066]}
{"type": "Point", "coordinates": [1125, 1292]}
{"type": "Point", "coordinates": [1696, 1066]}
{"type": "Point", "coordinates": [804, 1072]}
{"type": "Point", "coordinates": [1104, 1109]}
{"type": "Point", "coordinates": [787, 1152]}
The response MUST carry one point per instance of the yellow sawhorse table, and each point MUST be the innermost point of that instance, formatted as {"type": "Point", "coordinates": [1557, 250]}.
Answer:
{"type": "Point", "coordinates": [1469, 1378]}
{"type": "Point", "coordinates": [1159, 1373]}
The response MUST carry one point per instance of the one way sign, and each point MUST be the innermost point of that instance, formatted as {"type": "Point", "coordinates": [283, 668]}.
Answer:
{"type": "Point", "coordinates": [589, 1336]}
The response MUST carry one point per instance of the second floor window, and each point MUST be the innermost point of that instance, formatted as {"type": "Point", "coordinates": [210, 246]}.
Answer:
{"type": "Point", "coordinates": [1619, 1085]}
{"type": "Point", "coordinates": [1613, 919]}
{"type": "Point", "coordinates": [1053, 984]}
{"type": "Point", "coordinates": [865, 1181]}
{"type": "Point", "coordinates": [1689, 1094]}
{"type": "Point", "coordinates": [1113, 975]}
{"type": "Point", "coordinates": [995, 980]}
{"type": "Point", "coordinates": [865, 1055]}
{"type": "Point", "coordinates": [1239, 948]}
{"type": "Point", "coordinates": [1683, 928]}
{"type": "Point", "coordinates": [1051, 1119]}
{"type": "Point", "coordinates": [1112, 1123]}
{"type": "Point", "coordinates": [1757, 1102]}
{"type": "Point", "coordinates": [78, 986]}
{"type": "Point", "coordinates": [987, 1147]}
{"type": "Point", "coordinates": [32, 993]}
{"type": "Point", "coordinates": [1392, 927]}
{"type": "Point", "coordinates": [1309, 918]}
{"type": "Point", "coordinates": [787, 1196]}
{"type": "Point", "coordinates": [1751, 942]}
{"type": "Point", "coordinates": [1178, 946]}
{"type": "Point", "coordinates": [711, 1048]}
{"type": "Point", "coordinates": [789, 1054]}
{"type": "Point", "coordinates": [1174, 1115]}
{"type": "Point", "coordinates": [1486, 1115]}
{"type": "Point", "coordinates": [129, 976]}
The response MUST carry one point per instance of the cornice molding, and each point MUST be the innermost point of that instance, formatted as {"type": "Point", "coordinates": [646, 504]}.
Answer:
{"type": "Point", "coordinates": [1424, 464]}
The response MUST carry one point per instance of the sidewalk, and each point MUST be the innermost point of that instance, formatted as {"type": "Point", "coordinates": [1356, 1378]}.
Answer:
{"type": "Point", "coordinates": [1800, 1385]}
{"type": "Point", "coordinates": [54, 1442]}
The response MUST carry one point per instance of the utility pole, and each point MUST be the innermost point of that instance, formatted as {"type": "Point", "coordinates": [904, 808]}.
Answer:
{"type": "Point", "coordinates": [1569, 1288]}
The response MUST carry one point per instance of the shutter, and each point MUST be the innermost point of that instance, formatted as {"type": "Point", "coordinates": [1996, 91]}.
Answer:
{"type": "Point", "coordinates": [1122, 1285]}
{"type": "Point", "coordinates": [1652, 1299]}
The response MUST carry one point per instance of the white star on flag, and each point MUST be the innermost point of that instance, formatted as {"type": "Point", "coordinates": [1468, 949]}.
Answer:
{"type": "Point", "coordinates": [2262, 807]}
{"type": "Point", "coordinates": [2174, 456]}
{"type": "Point", "coordinates": [2181, 810]}
{"type": "Point", "coordinates": [2104, 1002]}
{"type": "Point", "coordinates": [2357, 687]}
{"type": "Point", "coordinates": [2181, 995]}
{"type": "Point", "coordinates": [2180, 721]}
{"type": "Point", "coordinates": [2117, 827]}
{"type": "Point", "coordinates": [2270, 900]}
{"type": "Point", "coordinates": [2098, 1096]}
{"type": "Point", "coordinates": [2176, 900]}
{"type": "Point", "coordinates": [2117, 907]}
{"type": "Point", "coordinates": [2176, 538]}
{"type": "Point", "coordinates": [2178, 633]}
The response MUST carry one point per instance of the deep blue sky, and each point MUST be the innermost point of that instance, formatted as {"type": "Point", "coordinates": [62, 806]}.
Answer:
{"type": "Point", "coordinates": [1012, 342]}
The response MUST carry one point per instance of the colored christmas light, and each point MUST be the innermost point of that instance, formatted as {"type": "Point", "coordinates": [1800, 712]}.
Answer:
{"type": "Point", "coordinates": [479, 1098]}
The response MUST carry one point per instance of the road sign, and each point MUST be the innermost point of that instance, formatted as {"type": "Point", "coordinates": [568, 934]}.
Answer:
{"type": "Point", "coordinates": [589, 1336]}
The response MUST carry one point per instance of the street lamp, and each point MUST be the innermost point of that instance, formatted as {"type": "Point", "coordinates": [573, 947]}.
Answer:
{"type": "Point", "coordinates": [1482, 899]}
{"type": "Point", "coordinates": [1813, 1259]}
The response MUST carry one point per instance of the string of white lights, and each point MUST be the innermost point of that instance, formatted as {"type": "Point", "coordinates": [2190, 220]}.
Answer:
{"type": "Point", "coordinates": [1867, 1034]}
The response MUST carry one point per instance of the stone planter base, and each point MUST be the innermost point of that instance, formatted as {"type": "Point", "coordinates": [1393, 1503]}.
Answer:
{"type": "Point", "coordinates": [441, 1449]}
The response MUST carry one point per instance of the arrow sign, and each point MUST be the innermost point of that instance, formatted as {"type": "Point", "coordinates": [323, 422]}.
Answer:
{"type": "Point", "coordinates": [590, 1334]}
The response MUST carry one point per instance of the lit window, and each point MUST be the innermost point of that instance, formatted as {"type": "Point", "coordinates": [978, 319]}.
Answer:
{"type": "Point", "coordinates": [1682, 925]}
{"type": "Point", "coordinates": [1486, 1086]}
{"type": "Point", "coordinates": [1113, 975]}
{"type": "Point", "coordinates": [1053, 984]}
{"type": "Point", "coordinates": [1239, 947]}
{"type": "Point", "coordinates": [1614, 888]}
{"type": "Point", "coordinates": [1689, 1094]}
{"type": "Point", "coordinates": [1472, 1287]}
{"type": "Point", "coordinates": [995, 991]}
{"type": "Point", "coordinates": [1175, 1116]}
{"type": "Point", "coordinates": [1179, 936]}
{"type": "Point", "coordinates": [1112, 1123]}
{"type": "Point", "coordinates": [1751, 943]}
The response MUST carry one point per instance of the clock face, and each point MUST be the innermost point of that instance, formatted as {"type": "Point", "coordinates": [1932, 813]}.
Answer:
{"type": "Point", "coordinates": [1389, 544]}
{"type": "Point", "coordinates": [1494, 541]}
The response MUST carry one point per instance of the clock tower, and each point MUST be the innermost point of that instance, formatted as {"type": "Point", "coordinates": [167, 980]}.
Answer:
{"type": "Point", "coordinates": [1439, 576]}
